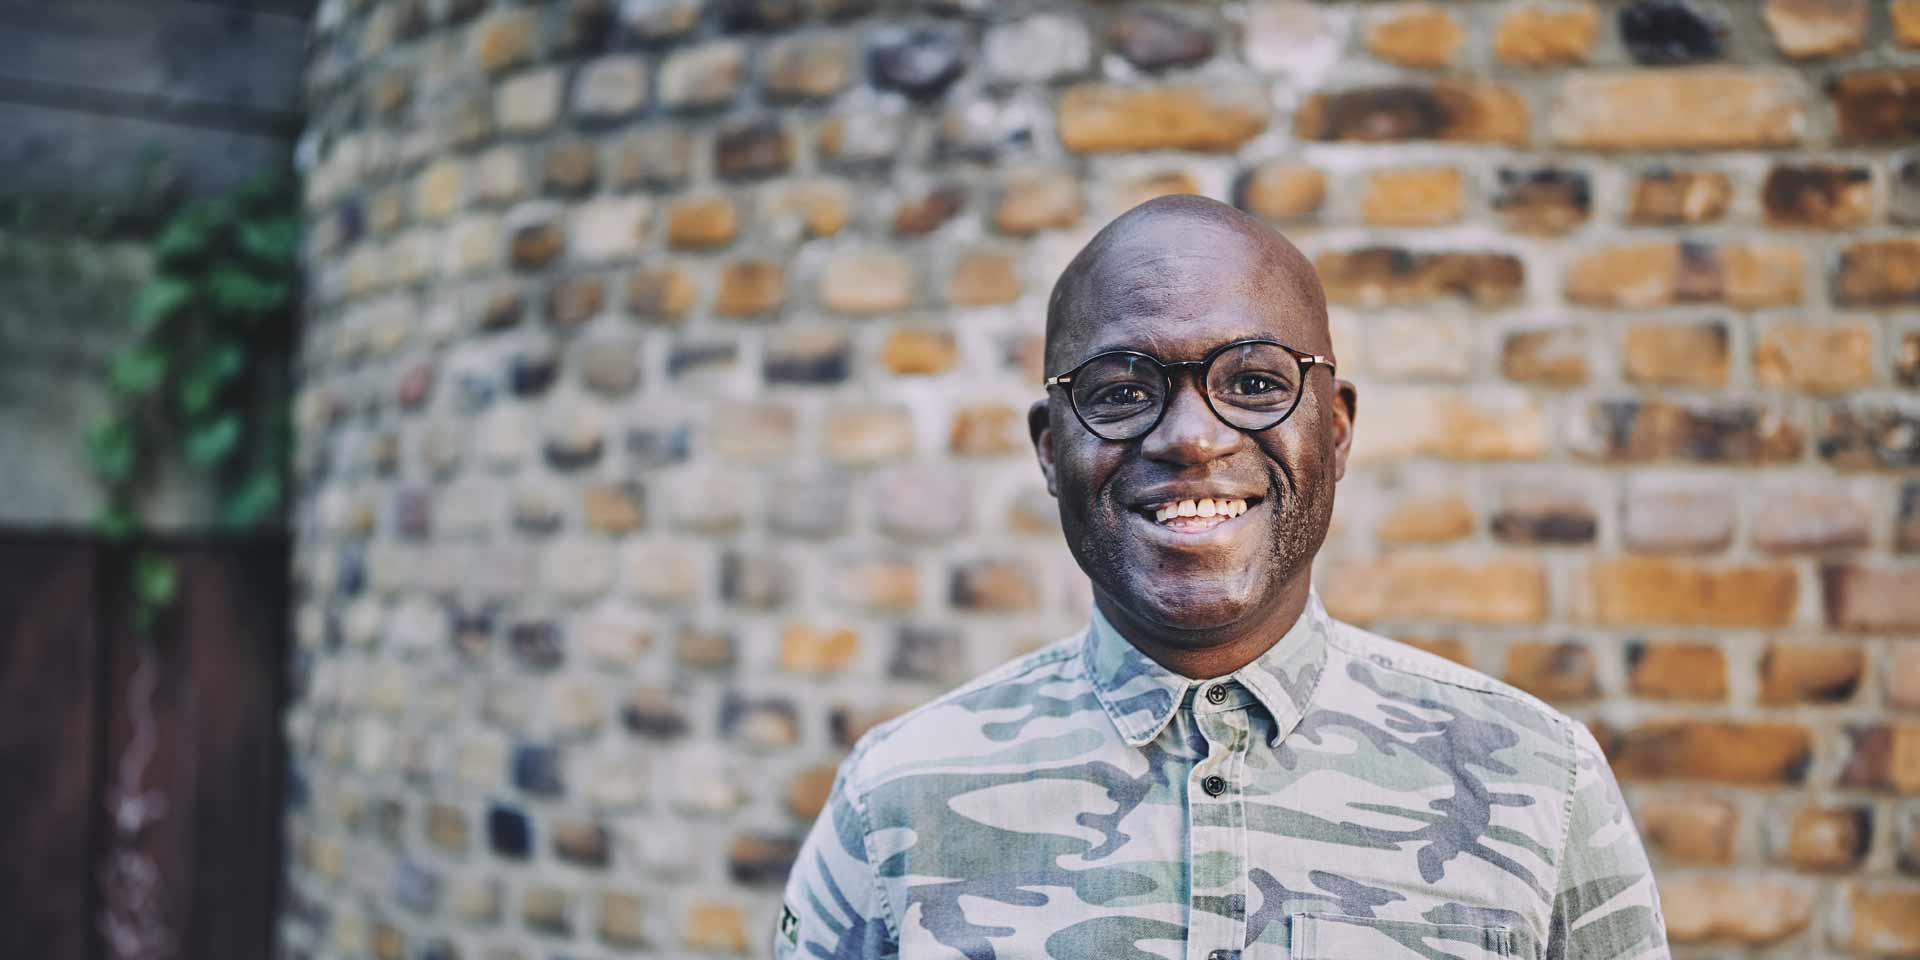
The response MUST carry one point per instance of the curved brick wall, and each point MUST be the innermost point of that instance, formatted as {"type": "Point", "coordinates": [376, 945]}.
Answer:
{"type": "Point", "coordinates": [665, 368]}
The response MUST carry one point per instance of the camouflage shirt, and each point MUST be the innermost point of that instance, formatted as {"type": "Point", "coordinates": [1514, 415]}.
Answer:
{"type": "Point", "coordinates": [1343, 797]}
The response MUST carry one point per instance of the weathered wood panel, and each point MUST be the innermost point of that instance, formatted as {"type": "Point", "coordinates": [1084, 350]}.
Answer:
{"type": "Point", "coordinates": [155, 58]}
{"type": "Point", "coordinates": [176, 737]}
{"type": "Point", "coordinates": [49, 698]}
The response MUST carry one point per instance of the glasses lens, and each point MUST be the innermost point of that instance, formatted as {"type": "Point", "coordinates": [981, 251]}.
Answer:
{"type": "Point", "coordinates": [1118, 395]}
{"type": "Point", "coordinates": [1254, 385]}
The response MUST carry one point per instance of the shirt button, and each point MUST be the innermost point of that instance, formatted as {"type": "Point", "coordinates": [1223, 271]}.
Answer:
{"type": "Point", "coordinates": [1214, 786]}
{"type": "Point", "coordinates": [1217, 694]}
{"type": "Point", "coordinates": [1223, 955]}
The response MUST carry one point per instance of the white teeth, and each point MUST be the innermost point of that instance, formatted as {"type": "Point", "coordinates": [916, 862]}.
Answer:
{"type": "Point", "coordinates": [1204, 507]}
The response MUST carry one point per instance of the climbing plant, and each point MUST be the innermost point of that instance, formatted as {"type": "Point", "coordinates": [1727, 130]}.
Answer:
{"type": "Point", "coordinates": [205, 371]}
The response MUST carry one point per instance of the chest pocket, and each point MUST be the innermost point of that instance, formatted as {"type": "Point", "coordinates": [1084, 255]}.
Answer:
{"type": "Point", "coordinates": [1331, 936]}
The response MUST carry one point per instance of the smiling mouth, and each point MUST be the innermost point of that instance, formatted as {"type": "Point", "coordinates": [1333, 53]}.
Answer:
{"type": "Point", "coordinates": [1196, 516]}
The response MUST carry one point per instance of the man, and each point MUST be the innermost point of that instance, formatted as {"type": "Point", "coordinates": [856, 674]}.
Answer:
{"type": "Point", "coordinates": [1215, 768]}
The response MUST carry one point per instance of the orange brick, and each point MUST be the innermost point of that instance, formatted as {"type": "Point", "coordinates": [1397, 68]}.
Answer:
{"type": "Point", "coordinates": [1761, 276]}
{"type": "Point", "coordinates": [1449, 647]}
{"type": "Point", "coordinates": [863, 436]}
{"type": "Point", "coordinates": [865, 282]}
{"type": "Point", "coordinates": [1827, 838]}
{"type": "Point", "coordinates": [1553, 357]}
{"type": "Point", "coordinates": [1538, 36]}
{"type": "Point", "coordinates": [1456, 111]}
{"type": "Point", "coordinates": [983, 278]}
{"type": "Point", "coordinates": [912, 350]}
{"type": "Point", "coordinates": [1097, 118]}
{"type": "Point", "coordinates": [1689, 829]}
{"type": "Point", "coordinates": [1637, 276]}
{"type": "Point", "coordinates": [1754, 911]}
{"type": "Point", "coordinates": [1830, 196]}
{"type": "Point", "coordinates": [1816, 28]}
{"type": "Point", "coordinates": [1415, 35]}
{"type": "Point", "coordinates": [1906, 21]}
{"type": "Point", "coordinates": [1414, 197]}
{"type": "Point", "coordinates": [720, 927]}
{"type": "Point", "coordinates": [1885, 920]}
{"type": "Point", "coordinates": [1627, 591]}
{"type": "Point", "coordinates": [1875, 106]}
{"type": "Point", "coordinates": [1558, 672]}
{"type": "Point", "coordinates": [1385, 276]}
{"type": "Point", "coordinates": [701, 222]}
{"type": "Point", "coordinates": [809, 790]}
{"type": "Point", "coordinates": [1417, 586]}
{"type": "Point", "coordinates": [1675, 354]}
{"type": "Point", "coordinates": [1723, 752]}
{"type": "Point", "coordinates": [1883, 599]}
{"type": "Point", "coordinates": [1031, 202]}
{"type": "Point", "coordinates": [1677, 671]}
{"type": "Point", "coordinates": [1681, 108]}
{"type": "Point", "coordinates": [1791, 673]}
{"type": "Point", "coordinates": [809, 650]}
{"type": "Point", "coordinates": [1282, 191]}
{"type": "Point", "coordinates": [749, 287]}
{"type": "Point", "coordinates": [1676, 197]}
{"type": "Point", "coordinates": [1427, 520]}
{"type": "Point", "coordinates": [1817, 359]}
{"type": "Point", "coordinates": [1877, 273]}
{"type": "Point", "coordinates": [987, 430]}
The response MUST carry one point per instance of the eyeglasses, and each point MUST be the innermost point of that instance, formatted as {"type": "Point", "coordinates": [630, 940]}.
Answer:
{"type": "Point", "coordinates": [1250, 384]}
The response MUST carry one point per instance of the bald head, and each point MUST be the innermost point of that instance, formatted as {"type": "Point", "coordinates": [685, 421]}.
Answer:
{"type": "Point", "coordinates": [1172, 256]}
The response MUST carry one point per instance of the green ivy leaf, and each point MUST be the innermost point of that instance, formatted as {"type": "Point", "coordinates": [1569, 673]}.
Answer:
{"type": "Point", "coordinates": [235, 290]}
{"type": "Point", "coordinates": [117, 522]}
{"type": "Point", "coordinates": [210, 443]}
{"type": "Point", "coordinates": [155, 580]}
{"type": "Point", "coordinates": [214, 370]}
{"type": "Point", "coordinates": [137, 370]}
{"type": "Point", "coordinates": [274, 242]}
{"type": "Point", "coordinates": [159, 301]}
{"type": "Point", "coordinates": [111, 450]}
{"type": "Point", "coordinates": [255, 501]}
{"type": "Point", "coordinates": [268, 188]}
{"type": "Point", "coordinates": [183, 239]}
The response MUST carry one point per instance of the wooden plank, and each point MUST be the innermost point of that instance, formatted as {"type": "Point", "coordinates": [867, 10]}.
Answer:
{"type": "Point", "coordinates": [48, 696]}
{"type": "Point", "coordinates": [233, 619]}
{"type": "Point", "coordinates": [156, 57]}
{"type": "Point", "coordinates": [148, 755]}
{"type": "Point", "coordinates": [58, 153]}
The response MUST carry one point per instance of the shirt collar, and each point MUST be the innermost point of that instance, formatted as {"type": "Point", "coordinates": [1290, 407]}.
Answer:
{"type": "Point", "coordinates": [1141, 695]}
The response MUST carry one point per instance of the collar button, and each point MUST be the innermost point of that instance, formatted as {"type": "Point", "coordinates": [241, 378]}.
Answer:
{"type": "Point", "coordinates": [1217, 693]}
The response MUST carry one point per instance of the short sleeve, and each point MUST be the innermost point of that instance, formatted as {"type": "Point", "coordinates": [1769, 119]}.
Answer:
{"type": "Point", "coordinates": [1605, 905]}
{"type": "Point", "coordinates": [833, 908]}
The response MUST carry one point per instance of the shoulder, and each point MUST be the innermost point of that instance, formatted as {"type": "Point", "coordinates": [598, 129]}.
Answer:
{"type": "Point", "coordinates": [1400, 671]}
{"type": "Point", "coordinates": [984, 715]}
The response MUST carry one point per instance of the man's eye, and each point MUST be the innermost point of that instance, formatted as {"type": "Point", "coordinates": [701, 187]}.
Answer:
{"type": "Point", "coordinates": [1253, 384]}
{"type": "Point", "coordinates": [1121, 395]}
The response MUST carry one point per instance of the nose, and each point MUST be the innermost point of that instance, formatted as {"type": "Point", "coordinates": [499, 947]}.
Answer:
{"type": "Point", "coordinates": [1189, 432]}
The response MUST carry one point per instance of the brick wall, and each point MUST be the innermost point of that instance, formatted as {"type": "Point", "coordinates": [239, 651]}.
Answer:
{"type": "Point", "coordinates": [666, 362]}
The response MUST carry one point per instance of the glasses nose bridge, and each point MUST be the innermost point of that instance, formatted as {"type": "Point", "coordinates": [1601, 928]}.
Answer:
{"type": "Point", "coordinates": [1199, 368]}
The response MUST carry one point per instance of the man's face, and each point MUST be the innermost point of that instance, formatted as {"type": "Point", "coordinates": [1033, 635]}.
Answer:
{"type": "Point", "coordinates": [1175, 288]}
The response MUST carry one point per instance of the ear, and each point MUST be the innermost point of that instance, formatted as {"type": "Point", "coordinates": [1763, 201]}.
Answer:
{"type": "Point", "coordinates": [1345, 408]}
{"type": "Point", "coordinates": [1040, 429]}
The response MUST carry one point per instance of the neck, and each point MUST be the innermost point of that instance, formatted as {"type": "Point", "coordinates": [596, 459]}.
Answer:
{"type": "Point", "coordinates": [1210, 652]}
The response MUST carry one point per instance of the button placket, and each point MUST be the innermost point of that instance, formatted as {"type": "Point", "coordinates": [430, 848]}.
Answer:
{"type": "Point", "coordinates": [1216, 834]}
